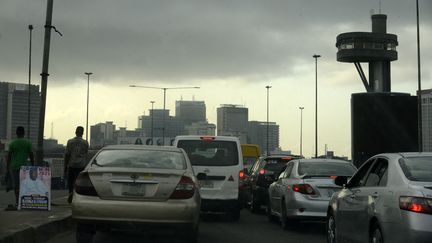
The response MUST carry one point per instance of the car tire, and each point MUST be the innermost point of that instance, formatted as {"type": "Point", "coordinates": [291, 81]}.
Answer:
{"type": "Point", "coordinates": [270, 216]}
{"type": "Point", "coordinates": [84, 233]}
{"type": "Point", "coordinates": [331, 228]}
{"type": "Point", "coordinates": [376, 235]}
{"type": "Point", "coordinates": [234, 215]}
{"type": "Point", "coordinates": [283, 218]}
{"type": "Point", "coordinates": [255, 205]}
{"type": "Point", "coordinates": [192, 236]}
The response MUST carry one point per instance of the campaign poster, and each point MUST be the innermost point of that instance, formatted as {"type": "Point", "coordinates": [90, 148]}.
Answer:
{"type": "Point", "coordinates": [35, 188]}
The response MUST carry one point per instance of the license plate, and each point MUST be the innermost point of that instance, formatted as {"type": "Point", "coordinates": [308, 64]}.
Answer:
{"type": "Point", "coordinates": [133, 189]}
{"type": "Point", "coordinates": [206, 184]}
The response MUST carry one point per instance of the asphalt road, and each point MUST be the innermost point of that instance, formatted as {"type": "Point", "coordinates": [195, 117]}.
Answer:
{"type": "Point", "coordinates": [251, 228]}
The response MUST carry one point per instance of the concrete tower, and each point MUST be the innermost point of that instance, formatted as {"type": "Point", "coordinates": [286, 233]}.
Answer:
{"type": "Point", "coordinates": [378, 48]}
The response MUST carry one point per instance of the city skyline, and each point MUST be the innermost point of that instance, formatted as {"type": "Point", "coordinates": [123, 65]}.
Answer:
{"type": "Point", "coordinates": [232, 50]}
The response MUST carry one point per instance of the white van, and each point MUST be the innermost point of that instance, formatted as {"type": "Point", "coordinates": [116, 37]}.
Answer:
{"type": "Point", "coordinates": [220, 159]}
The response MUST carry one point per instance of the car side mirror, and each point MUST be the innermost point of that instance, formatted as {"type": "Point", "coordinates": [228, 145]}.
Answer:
{"type": "Point", "coordinates": [341, 180]}
{"type": "Point", "coordinates": [202, 176]}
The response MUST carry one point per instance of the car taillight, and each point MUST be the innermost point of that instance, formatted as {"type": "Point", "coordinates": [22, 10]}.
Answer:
{"type": "Point", "coordinates": [262, 172]}
{"type": "Point", "coordinates": [416, 204]}
{"type": "Point", "coordinates": [185, 189]}
{"type": "Point", "coordinates": [84, 186]}
{"type": "Point", "coordinates": [241, 175]}
{"type": "Point", "coordinates": [303, 189]}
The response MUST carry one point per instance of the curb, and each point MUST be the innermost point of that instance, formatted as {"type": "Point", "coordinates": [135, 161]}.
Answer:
{"type": "Point", "coordinates": [39, 233]}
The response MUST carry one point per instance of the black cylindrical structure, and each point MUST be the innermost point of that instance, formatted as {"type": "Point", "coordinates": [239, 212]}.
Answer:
{"type": "Point", "coordinates": [382, 122]}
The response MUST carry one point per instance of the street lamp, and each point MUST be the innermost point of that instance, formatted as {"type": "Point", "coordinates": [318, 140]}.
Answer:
{"type": "Point", "coordinates": [88, 86]}
{"type": "Point", "coordinates": [419, 95]}
{"type": "Point", "coordinates": [164, 102]}
{"type": "Point", "coordinates": [267, 139]}
{"type": "Point", "coordinates": [301, 130]}
{"type": "Point", "coordinates": [152, 115]}
{"type": "Point", "coordinates": [30, 27]}
{"type": "Point", "coordinates": [316, 103]}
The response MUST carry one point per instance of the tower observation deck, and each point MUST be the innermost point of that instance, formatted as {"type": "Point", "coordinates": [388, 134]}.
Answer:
{"type": "Point", "coordinates": [378, 48]}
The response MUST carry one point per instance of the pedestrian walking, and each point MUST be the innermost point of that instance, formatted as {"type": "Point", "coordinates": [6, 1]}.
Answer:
{"type": "Point", "coordinates": [75, 158]}
{"type": "Point", "coordinates": [20, 151]}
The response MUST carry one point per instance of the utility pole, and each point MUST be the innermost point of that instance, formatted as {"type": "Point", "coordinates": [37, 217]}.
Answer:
{"type": "Point", "coordinates": [152, 115]}
{"type": "Point", "coordinates": [267, 137]}
{"type": "Point", "coordinates": [44, 82]}
{"type": "Point", "coordinates": [301, 130]}
{"type": "Point", "coordinates": [419, 95]}
{"type": "Point", "coordinates": [30, 27]}
{"type": "Point", "coordinates": [316, 104]}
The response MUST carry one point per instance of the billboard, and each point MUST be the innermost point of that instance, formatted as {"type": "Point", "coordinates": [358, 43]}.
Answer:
{"type": "Point", "coordinates": [35, 188]}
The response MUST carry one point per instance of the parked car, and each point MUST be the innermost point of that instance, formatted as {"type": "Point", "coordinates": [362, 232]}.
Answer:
{"type": "Point", "coordinates": [389, 199]}
{"type": "Point", "coordinates": [303, 190]}
{"type": "Point", "coordinates": [262, 174]}
{"type": "Point", "coordinates": [220, 159]}
{"type": "Point", "coordinates": [133, 187]}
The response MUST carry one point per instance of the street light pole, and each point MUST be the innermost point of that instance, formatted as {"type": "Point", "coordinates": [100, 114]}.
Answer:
{"type": "Point", "coordinates": [316, 103]}
{"type": "Point", "coordinates": [419, 95]}
{"type": "Point", "coordinates": [301, 130]}
{"type": "Point", "coordinates": [267, 139]}
{"type": "Point", "coordinates": [164, 102]}
{"type": "Point", "coordinates": [152, 115]}
{"type": "Point", "coordinates": [30, 27]}
{"type": "Point", "coordinates": [88, 88]}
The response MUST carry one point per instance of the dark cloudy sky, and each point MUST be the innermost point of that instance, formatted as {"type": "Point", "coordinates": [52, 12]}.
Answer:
{"type": "Point", "coordinates": [231, 49]}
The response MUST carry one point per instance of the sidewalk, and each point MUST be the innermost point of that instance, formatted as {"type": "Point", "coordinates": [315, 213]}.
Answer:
{"type": "Point", "coordinates": [28, 226]}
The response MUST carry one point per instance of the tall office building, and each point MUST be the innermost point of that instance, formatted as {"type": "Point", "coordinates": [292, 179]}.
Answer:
{"type": "Point", "coordinates": [173, 126]}
{"type": "Point", "coordinates": [257, 134]}
{"type": "Point", "coordinates": [102, 134]}
{"type": "Point", "coordinates": [232, 120]}
{"type": "Point", "coordinates": [190, 111]}
{"type": "Point", "coordinates": [14, 110]}
{"type": "Point", "coordinates": [426, 106]}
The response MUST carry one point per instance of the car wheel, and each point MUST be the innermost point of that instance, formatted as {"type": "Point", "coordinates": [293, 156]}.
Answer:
{"type": "Point", "coordinates": [84, 233]}
{"type": "Point", "coordinates": [270, 216]}
{"type": "Point", "coordinates": [255, 205]}
{"type": "Point", "coordinates": [376, 234]}
{"type": "Point", "coordinates": [331, 229]}
{"type": "Point", "coordinates": [283, 217]}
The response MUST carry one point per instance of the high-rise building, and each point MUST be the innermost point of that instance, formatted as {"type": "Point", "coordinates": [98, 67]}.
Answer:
{"type": "Point", "coordinates": [200, 128]}
{"type": "Point", "coordinates": [190, 111]}
{"type": "Point", "coordinates": [426, 106]}
{"type": "Point", "coordinates": [173, 125]}
{"type": "Point", "coordinates": [102, 134]}
{"type": "Point", "coordinates": [232, 120]}
{"type": "Point", "coordinates": [14, 99]}
{"type": "Point", "coordinates": [257, 134]}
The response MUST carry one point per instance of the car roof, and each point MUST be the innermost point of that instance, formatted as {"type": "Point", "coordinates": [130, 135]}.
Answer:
{"type": "Point", "coordinates": [406, 154]}
{"type": "Point", "coordinates": [323, 160]}
{"type": "Point", "coordinates": [198, 137]}
{"type": "Point", "coordinates": [141, 147]}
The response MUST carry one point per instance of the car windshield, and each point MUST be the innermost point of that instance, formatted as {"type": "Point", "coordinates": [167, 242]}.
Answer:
{"type": "Point", "coordinates": [141, 159]}
{"type": "Point", "coordinates": [210, 153]}
{"type": "Point", "coordinates": [417, 168]}
{"type": "Point", "coordinates": [325, 168]}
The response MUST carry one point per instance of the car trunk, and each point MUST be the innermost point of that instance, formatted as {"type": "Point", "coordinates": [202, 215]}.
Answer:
{"type": "Point", "coordinates": [424, 187]}
{"type": "Point", "coordinates": [323, 186]}
{"type": "Point", "coordinates": [135, 183]}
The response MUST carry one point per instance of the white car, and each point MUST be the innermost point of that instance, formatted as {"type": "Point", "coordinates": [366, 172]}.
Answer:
{"type": "Point", "coordinates": [137, 187]}
{"type": "Point", "coordinates": [220, 159]}
{"type": "Point", "coordinates": [389, 199]}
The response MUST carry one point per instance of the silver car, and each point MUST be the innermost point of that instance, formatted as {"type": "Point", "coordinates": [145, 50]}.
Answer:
{"type": "Point", "coordinates": [389, 199]}
{"type": "Point", "coordinates": [304, 188]}
{"type": "Point", "coordinates": [137, 187]}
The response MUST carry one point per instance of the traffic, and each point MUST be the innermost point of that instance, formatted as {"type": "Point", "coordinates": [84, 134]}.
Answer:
{"type": "Point", "coordinates": [154, 188]}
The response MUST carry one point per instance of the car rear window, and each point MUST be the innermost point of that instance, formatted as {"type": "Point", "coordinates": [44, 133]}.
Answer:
{"type": "Point", "coordinates": [210, 152]}
{"type": "Point", "coordinates": [417, 168]}
{"type": "Point", "coordinates": [140, 159]}
{"type": "Point", "coordinates": [275, 164]}
{"type": "Point", "coordinates": [326, 169]}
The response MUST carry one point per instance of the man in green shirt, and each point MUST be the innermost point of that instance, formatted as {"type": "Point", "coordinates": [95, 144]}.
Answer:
{"type": "Point", "coordinates": [20, 150]}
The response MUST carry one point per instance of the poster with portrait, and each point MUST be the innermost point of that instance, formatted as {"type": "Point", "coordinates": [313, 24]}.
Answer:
{"type": "Point", "coordinates": [35, 188]}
